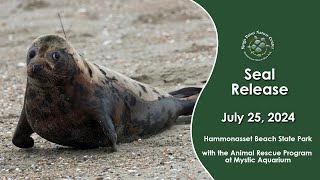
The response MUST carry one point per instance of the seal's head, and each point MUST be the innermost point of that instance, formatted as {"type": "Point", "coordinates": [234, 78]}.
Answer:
{"type": "Point", "coordinates": [50, 60]}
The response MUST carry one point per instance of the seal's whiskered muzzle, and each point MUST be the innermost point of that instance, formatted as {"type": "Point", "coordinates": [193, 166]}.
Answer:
{"type": "Point", "coordinates": [38, 68]}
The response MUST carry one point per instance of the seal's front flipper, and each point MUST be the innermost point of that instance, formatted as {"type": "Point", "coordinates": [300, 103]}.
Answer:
{"type": "Point", "coordinates": [21, 137]}
{"type": "Point", "coordinates": [109, 130]}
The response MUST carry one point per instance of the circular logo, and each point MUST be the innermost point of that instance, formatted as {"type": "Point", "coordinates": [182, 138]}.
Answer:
{"type": "Point", "coordinates": [257, 45]}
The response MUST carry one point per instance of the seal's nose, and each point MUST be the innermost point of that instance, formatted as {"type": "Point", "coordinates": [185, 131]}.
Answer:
{"type": "Point", "coordinates": [36, 68]}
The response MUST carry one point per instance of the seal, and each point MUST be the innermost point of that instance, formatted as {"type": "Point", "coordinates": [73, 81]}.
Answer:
{"type": "Point", "coordinates": [73, 102]}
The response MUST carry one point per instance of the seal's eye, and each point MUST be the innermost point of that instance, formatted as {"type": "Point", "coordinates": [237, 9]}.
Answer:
{"type": "Point", "coordinates": [56, 56]}
{"type": "Point", "coordinates": [32, 54]}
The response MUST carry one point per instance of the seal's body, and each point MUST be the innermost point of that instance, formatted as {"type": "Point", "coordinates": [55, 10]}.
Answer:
{"type": "Point", "coordinates": [73, 102]}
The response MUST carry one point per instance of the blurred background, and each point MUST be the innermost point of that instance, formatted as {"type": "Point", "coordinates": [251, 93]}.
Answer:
{"type": "Point", "coordinates": [167, 44]}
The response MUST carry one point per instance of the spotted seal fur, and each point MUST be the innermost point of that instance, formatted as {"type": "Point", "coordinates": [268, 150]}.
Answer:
{"type": "Point", "coordinates": [73, 102]}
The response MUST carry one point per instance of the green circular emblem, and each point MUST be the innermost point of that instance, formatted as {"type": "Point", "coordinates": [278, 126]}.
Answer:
{"type": "Point", "coordinates": [257, 45]}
